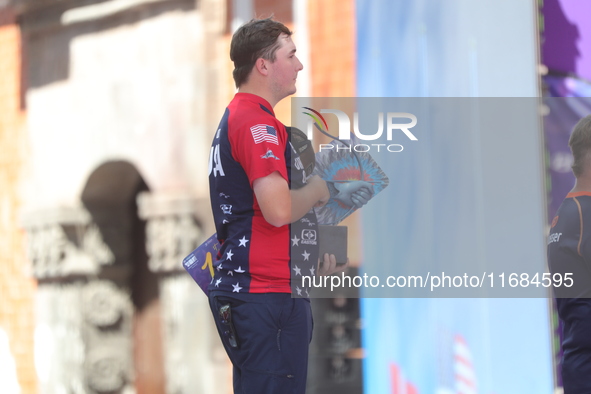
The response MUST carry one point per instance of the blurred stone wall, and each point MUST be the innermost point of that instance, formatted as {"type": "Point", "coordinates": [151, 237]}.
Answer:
{"type": "Point", "coordinates": [121, 102]}
{"type": "Point", "coordinates": [17, 288]}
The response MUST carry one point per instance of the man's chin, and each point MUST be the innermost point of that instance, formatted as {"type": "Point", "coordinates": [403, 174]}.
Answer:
{"type": "Point", "coordinates": [289, 92]}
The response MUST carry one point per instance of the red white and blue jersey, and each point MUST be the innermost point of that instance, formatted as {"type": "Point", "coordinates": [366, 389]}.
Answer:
{"type": "Point", "coordinates": [254, 257]}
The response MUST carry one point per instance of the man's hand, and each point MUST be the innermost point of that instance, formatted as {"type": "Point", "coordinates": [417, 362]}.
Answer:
{"type": "Point", "coordinates": [353, 194]}
{"type": "Point", "coordinates": [329, 265]}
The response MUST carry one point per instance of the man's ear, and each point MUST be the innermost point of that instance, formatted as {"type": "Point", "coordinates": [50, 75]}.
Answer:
{"type": "Point", "coordinates": [261, 66]}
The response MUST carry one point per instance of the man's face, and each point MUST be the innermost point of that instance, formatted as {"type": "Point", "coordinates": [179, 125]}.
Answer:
{"type": "Point", "coordinates": [284, 70]}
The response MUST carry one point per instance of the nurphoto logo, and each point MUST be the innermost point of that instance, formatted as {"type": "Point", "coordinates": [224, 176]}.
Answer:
{"type": "Point", "coordinates": [391, 123]}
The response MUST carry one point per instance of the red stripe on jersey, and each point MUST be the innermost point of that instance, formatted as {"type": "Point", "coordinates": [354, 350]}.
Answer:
{"type": "Point", "coordinates": [269, 272]}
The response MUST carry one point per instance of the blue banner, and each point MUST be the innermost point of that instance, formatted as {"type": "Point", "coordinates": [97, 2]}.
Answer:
{"type": "Point", "coordinates": [442, 346]}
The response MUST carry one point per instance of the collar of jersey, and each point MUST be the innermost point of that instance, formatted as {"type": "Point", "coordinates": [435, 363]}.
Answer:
{"type": "Point", "coordinates": [578, 194]}
{"type": "Point", "coordinates": [256, 99]}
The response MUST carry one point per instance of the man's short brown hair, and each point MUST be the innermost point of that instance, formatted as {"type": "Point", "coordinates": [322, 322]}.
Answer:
{"type": "Point", "coordinates": [255, 39]}
{"type": "Point", "coordinates": [580, 145]}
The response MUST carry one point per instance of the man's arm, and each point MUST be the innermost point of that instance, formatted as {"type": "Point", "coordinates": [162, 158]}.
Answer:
{"type": "Point", "coordinates": [281, 206]}
{"type": "Point", "coordinates": [275, 200]}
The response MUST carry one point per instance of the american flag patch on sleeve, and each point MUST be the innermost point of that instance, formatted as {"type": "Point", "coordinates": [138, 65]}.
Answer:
{"type": "Point", "coordinates": [262, 132]}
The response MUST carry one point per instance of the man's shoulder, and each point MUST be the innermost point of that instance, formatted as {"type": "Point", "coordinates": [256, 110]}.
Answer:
{"type": "Point", "coordinates": [244, 111]}
{"type": "Point", "coordinates": [248, 116]}
{"type": "Point", "coordinates": [575, 204]}
{"type": "Point", "coordinates": [573, 215]}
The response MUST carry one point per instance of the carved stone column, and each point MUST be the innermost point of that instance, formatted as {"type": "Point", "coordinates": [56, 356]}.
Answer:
{"type": "Point", "coordinates": [195, 361]}
{"type": "Point", "coordinates": [83, 321]}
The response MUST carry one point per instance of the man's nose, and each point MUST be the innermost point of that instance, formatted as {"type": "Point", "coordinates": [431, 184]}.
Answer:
{"type": "Point", "coordinates": [300, 66]}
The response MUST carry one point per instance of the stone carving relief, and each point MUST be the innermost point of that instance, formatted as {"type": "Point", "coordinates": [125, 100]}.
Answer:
{"type": "Point", "coordinates": [107, 326]}
{"type": "Point", "coordinates": [175, 225]}
{"type": "Point", "coordinates": [170, 239]}
{"type": "Point", "coordinates": [59, 344]}
{"type": "Point", "coordinates": [65, 246]}
{"type": "Point", "coordinates": [83, 342]}
{"type": "Point", "coordinates": [104, 304]}
{"type": "Point", "coordinates": [105, 370]}
{"type": "Point", "coordinates": [83, 338]}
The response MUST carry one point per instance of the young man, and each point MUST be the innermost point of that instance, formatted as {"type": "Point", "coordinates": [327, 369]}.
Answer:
{"type": "Point", "coordinates": [265, 330]}
{"type": "Point", "coordinates": [569, 260]}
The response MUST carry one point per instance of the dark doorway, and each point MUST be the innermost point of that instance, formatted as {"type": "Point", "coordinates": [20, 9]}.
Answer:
{"type": "Point", "coordinates": [110, 196]}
